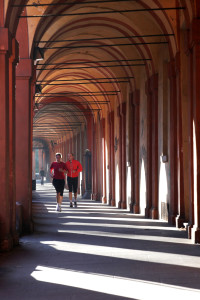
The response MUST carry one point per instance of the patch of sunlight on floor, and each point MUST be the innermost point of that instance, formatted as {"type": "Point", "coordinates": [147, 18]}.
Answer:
{"type": "Point", "coordinates": [137, 255]}
{"type": "Point", "coordinates": [121, 219]}
{"type": "Point", "coordinates": [121, 226]}
{"type": "Point", "coordinates": [113, 285]}
{"type": "Point", "coordinates": [130, 236]}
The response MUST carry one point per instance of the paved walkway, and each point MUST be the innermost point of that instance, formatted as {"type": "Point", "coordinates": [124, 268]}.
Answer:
{"type": "Point", "coordinates": [96, 252]}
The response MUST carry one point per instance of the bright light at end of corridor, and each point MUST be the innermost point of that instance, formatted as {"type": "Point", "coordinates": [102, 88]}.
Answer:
{"type": "Point", "coordinates": [111, 285]}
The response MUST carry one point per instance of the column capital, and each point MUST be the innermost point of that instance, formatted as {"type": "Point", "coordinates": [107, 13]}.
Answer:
{"type": "Point", "coordinates": [5, 41]}
{"type": "Point", "coordinates": [194, 37]}
{"type": "Point", "coordinates": [15, 51]}
{"type": "Point", "coordinates": [111, 116]}
{"type": "Point", "coordinates": [25, 68]}
{"type": "Point", "coordinates": [147, 87]}
{"type": "Point", "coordinates": [121, 109]}
{"type": "Point", "coordinates": [103, 123]}
{"type": "Point", "coordinates": [151, 84]}
{"type": "Point", "coordinates": [154, 82]}
{"type": "Point", "coordinates": [177, 63]}
{"type": "Point", "coordinates": [135, 98]}
{"type": "Point", "coordinates": [171, 69]}
{"type": "Point", "coordinates": [187, 48]}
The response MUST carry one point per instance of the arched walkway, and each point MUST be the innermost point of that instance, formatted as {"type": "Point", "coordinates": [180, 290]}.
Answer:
{"type": "Point", "coordinates": [98, 252]}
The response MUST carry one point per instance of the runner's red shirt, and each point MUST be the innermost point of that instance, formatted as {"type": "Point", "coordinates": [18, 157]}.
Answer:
{"type": "Point", "coordinates": [56, 166]}
{"type": "Point", "coordinates": [73, 168]}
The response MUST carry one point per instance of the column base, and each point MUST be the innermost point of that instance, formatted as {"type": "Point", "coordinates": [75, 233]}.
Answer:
{"type": "Point", "coordinates": [15, 237]}
{"type": "Point", "coordinates": [112, 202]}
{"type": "Point", "coordinates": [123, 205]}
{"type": "Point", "coordinates": [154, 213]}
{"type": "Point", "coordinates": [136, 209]}
{"type": "Point", "coordinates": [147, 212]}
{"type": "Point", "coordinates": [87, 195]}
{"type": "Point", "coordinates": [94, 196]}
{"type": "Point", "coordinates": [189, 230]}
{"type": "Point", "coordinates": [6, 244]}
{"type": "Point", "coordinates": [19, 218]}
{"type": "Point", "coordinates": [104, 200]}
{"type": "Point", "coordinates": [179, 221]}
{"type": "Point", "coordinates": [28, 227]}
{"type": "Point", "coordinates": [195, 235]}
{"type": "Point", "coordinates": [131, 207]}
{"type": "Point", "coordinates": [172, 219]}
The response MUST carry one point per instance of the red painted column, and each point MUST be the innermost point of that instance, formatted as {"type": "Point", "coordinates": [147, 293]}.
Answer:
{"type": "Point", "coordinates": [190, 137]}
{"type": "Point", "coordinates": [135, 102]}
{"type": "Point", "coordinates": [83, 161]}
{"type": "Point", "coordinates": [132, 151]}
{"type": "Point", "coordinates": [89, 132]}
{"type": "Point", "coordinates": [43, 159]}
{"type": "Point", "coordinates": [122, 157]}
{"type": "Point", "coordinates": [71, 144]}
{"type": "Point", "coordinates": [173, 205]}
{"type": "Point", "coordinates": [65, 149]}
{"type": "Point", "coordinates": [154, 107]}
{"type": "Point", "coordinates": [149, 150]}
{"type": "Point", "coordinates": [7, 219]}
{"type": "Point", "coordinates": [111, 159]}
{"type": "Point", "coordinates": [40, 157]}
{"type": "Point", "coordinates": [104, 199]}
{"type": "Point", "coordinates": [180, 218]}
{"type": "Point", "coordinates": [33, 164]}
{"type": "Point", "coordinates": [24, 141]}
{"type": "Point", "coordinates": [94, 164]}
{"type": "Point", "coordinates": [12, 176]}
{"type": "Point", "coordinates": [195, 46]}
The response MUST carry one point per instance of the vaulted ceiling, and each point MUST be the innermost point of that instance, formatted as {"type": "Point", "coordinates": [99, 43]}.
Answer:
{"type": "Point", "coordinates": [95, 53]}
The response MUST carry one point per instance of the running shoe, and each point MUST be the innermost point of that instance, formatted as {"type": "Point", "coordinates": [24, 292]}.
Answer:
{"type": "Point", "coordinates": [58, 207]}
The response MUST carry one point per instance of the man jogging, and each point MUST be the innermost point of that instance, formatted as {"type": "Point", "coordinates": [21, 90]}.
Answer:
{"type": "Point", "coordinates": [74, 167]}
{"type": "Point", "coordinates": [56, 172]}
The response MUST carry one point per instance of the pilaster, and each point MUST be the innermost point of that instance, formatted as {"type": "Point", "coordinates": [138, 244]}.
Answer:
{"type": "Point", "coordinates": [24, 141]}
{"type": "Point", "coordinates": [111, 159]}
{"type": "Point", "coordinates": [180, 218]}
{"type": "Point", "coordinates": [94, 164]}
{"type": "Point", "coordinates": [195, 67]}
{"type": "Point", "coordinates": [135, 104]}
{"type": "Point", "coordinates": [149, 149]}
{"type": "Point", "coordinates": [173, 205]}
{"type": "Point", "coordinates": [154, 107]}
{"type": "Point", "coordinates": [122, 156]}
{"type": "Point", "coordinates": [8, 59]}
{"type": "Point", "coordinates": [104, 198]}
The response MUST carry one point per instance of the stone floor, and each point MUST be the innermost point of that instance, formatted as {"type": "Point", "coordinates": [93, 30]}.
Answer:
{"type": "Point", "coordinates": [96, 252]}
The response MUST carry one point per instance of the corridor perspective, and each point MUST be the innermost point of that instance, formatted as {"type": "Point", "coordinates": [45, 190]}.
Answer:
{"type": "Point", "coordinates": [98, 252]}
{"type": "Point", "coordinates": [116, 83]}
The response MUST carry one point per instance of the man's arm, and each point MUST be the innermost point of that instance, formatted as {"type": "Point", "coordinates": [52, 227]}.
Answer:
{"type": "Point", "coordinates": [51, 169]}
{"type": "Point", "coordinates": [79, 169]}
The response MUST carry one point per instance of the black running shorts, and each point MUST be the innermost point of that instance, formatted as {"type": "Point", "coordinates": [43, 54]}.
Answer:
{"type": "Point", "coordinates": [72, 184]}
{"type": "Point", "coordinates": [59, 185]}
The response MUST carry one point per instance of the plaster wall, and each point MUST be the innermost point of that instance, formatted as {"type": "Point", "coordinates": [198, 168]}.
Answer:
{"type": "Point", "coordinates": [185, 124]}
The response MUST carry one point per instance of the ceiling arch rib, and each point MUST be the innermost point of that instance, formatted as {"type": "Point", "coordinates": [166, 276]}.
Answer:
{"type": "Point", "coordinates": [96, 50]}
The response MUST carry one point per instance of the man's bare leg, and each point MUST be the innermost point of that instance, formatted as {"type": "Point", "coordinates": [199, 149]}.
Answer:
{"type": "Point", "coordinates": [75, 199]}
{"type": "Point", "coordinates": [58, 198]}
{"type": "Point", "coordinates": [70, 198]}
{"type": "Point", "coordinates": [59, 202]}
